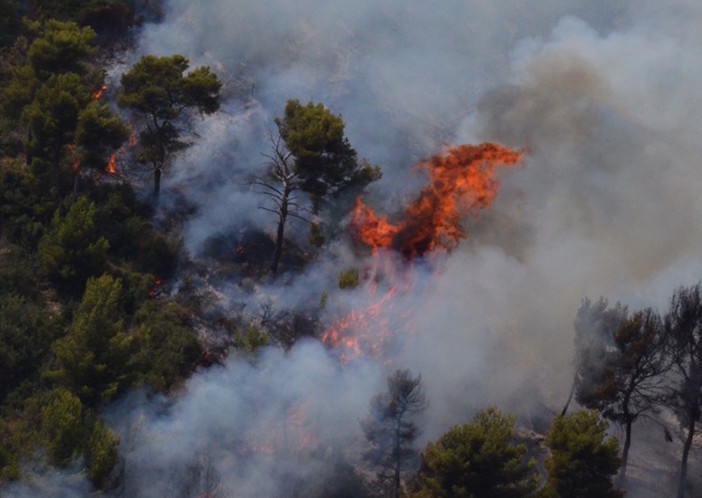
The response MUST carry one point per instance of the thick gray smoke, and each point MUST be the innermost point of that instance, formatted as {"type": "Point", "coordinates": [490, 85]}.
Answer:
{"type": "Point", "coordinates": [606, 98]}
{"type": "Point", "coordinates": [265, 426]}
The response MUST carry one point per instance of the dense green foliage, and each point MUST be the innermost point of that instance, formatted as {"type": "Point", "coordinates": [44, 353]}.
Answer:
{"type": "Point", "coordinates": [49, 101]}
{"type": "Point", "coordinates": [583, 460]}
{"type": "Point", "coordinates": [71, 249]}
{"type": "Point", "coordinates": [79, 323]}
{"type": "Point", "coordinates": [82, 321]}
{"type": "Point", "coordinates": [324, 159]}
{"type": "Point", "coordinates": [26, 334]}
{"type": "Point", "coordinates": [478, 458]}
{"type": "Point", "coordinates": [62, 421]}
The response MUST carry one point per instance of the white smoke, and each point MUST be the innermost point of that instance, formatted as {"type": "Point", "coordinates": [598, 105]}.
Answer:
{"type": "Point", "coordinates": [606, 99]}
{"type": "Point", "coordinates": [264, 424]}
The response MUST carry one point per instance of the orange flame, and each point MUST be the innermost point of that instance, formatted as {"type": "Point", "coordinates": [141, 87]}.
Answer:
{"type": "Point", "coordinates": [75, 164]}
{"type": "Point", "coordinates": [371, 330]}
{"type": "Point", "coordinates": [133, 141]}
{"type": "Point", "coordinates": [461, 182]}
{"type": "Point", "coordinates": [111, 167]}
{"type": "Point", "coordinates": [96, 94]}
{"type": "Point", "coordinates": [155, 290]}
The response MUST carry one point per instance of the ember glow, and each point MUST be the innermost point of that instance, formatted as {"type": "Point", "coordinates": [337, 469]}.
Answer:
{"type": "Point", "coordinates": [111, 167]}
{"type": "Point", "coordinates": [461, 182]}
{"type": "Point", "coordinates": [371, 330]}
{"type": "Point", "coordinates": [96, 94]}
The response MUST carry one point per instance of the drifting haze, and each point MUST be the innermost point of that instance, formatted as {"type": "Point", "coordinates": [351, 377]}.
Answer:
{"type": "Point", "coordinates": [608, 101]}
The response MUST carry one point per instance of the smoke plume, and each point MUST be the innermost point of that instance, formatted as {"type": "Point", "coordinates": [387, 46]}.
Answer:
{"type": "Point", "coordinates": [605, 100]}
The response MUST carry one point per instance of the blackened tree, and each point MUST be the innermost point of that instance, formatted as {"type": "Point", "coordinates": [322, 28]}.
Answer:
{"type": "Point", "coordinates": [683, 325]}
{"type": "Point", "coordinates": [71, 249]}
{"type": "Point", "coordinates": [324, 159]}
{"type": "Point", "coordinates": [92, 358]}
{"type": "Point", "coordinates": [390, 427]}
{"type": "Point", "coordinates": [622, 361]}
{"type": "Point", "coordinates": [160, 91]}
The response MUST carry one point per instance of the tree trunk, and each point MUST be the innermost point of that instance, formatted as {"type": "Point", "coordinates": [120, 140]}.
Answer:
{"type": "Point", "coordinates": [282, 217]}
{"type": "Point", "coordinates": [683, 466]}
{"type": "Point", "coordinates": [570, 397]}
{"type": "Point", "coordinates": [396, 482]}
{"type": "Point", "coordinates": [157, 182]}
{"type": "Point", "coordinates": [625, 450]}
{"type": "Point", "coordinates": [396, 475]}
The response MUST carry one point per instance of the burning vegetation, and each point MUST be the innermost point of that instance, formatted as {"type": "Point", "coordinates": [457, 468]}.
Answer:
{"type": "Point", "coordinates": [461, 182]}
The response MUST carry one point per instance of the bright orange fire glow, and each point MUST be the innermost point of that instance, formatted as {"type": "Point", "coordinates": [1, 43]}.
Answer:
{"type": "Point", "coordinates": [461, 182]}
{"type": "Point", "coordinates": [372, 330]}
{"type": "Point", "coordinates": [96, 94]}
{"type": "Point", "coordinates": [111, 167]}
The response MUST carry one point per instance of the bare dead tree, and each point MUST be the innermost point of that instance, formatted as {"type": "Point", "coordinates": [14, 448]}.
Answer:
{"type": "Point", "coordinates": [280, 184]}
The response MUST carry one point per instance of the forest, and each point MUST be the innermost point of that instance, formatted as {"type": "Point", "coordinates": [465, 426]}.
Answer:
{"type": "Point", "coordinates": [314, 251]}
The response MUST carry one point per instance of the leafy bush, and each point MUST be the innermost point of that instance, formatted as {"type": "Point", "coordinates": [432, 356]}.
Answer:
{"type": "Point", "coordinates": [349, 279]}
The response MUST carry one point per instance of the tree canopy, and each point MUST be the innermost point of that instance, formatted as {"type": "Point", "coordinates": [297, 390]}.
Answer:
{"type": "Point", "coordinates": [583, 460]}
{"type": "Point", "coordinates": [159, 91]}
{"type": "Point", "coordinates": [92, 357]}
{"type": "Point", "coordinates": [621, 362]}
{"type": "Point", "coordinates": [479, 458]}
{"type": "Point", "coordinates": [324, 159]}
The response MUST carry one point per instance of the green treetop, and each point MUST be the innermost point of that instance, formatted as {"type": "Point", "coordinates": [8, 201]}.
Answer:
{"type": "Point", "coordinates": [63, 47]}
{"type": "Point", "coordinates": [583, 460]}
{"type": "Point", "coordinates": [158, 89]}
{"type": "Point", "coordinates": [324, 159]}
{"type": "Point", "coordinates": [92, 357]}
{"type": "Point", "coordinates": [475, 459]}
